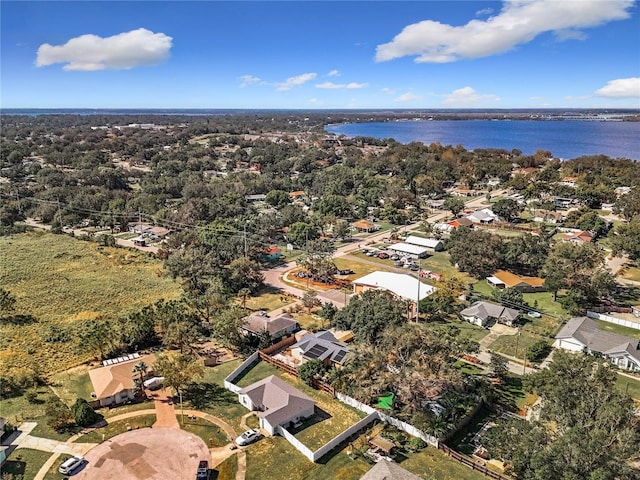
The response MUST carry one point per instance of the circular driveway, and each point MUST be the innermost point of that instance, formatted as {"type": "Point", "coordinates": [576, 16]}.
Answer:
{"type": "Point", "coordinates": [146, 454]}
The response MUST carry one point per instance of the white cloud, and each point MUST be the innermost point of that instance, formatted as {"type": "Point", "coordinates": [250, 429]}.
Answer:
{"type": "Point", "coordinates": [333, 73]}
{"type": "Point", "coordinates": [122, 51]}
{"type": "Point", "coordinates": [388, 90]}
{"type": "Point", "coordinates": [296, 81]}
{"type": "Point", "coordinates": [246, 80]}
{"type": "Point", "coordinates": [484, 11]}
{"type": "Point", "coordinates": [336, 86]}
{"type": "Point", "coordinates": [467, 96]}
{"type": "Point", "coordinates": [519, 21]}
{"type": "Point", "coordinates": [315, 101]}
{"type": "Point", "coordinates": [408, 97]}
{"type": "Point", "coordinates": [621, 88]}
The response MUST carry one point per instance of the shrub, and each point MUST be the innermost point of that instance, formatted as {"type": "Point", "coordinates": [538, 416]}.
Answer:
{"type": "Point", "coordinates": [84, 414]}
{"type": "Point", "coordinates": [415, 444]}
{"type": "Point", "coordinates": [308, 371]}
{"type": "Point", "coordinates": [31, 395]}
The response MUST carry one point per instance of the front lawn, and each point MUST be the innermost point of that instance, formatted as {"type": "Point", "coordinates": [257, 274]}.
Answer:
{"type": "Point", "coordinates": [514, 394]}
{"type": "Point", "coordinates": [25, 462]}
{"type": "Point", "coordinates": [507, 344]}
{"type": "Point", "coordinates": [267, 299]}
{"type": "Point", "coordinates": [210, 433]}
{"type": "Point", "coordinates": [630, 386]}
{"type": "Point", "coordinates": [227, 470]}
{"type": "Point", "coordinates": [116, 428]}
{"type": "Point", "coordinates": [73, 384]}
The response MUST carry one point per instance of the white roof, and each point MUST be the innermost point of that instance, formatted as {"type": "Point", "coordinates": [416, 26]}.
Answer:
{"type": "Point", "coordinates": [423, 242]}
{"type": "Point", "coordinates": [400, 284]}
{"type": "Point", "coordinates": [407, 248]}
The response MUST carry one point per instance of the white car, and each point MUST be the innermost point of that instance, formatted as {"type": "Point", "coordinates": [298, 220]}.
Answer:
{"type": "Point", "coordinates": [71, 464]}
{"type": "Point", "coordinates": [248, 437]}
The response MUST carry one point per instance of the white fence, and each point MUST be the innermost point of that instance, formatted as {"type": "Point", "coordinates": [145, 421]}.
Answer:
{"type": "Point", "coordinates": [228, 382]}
{"type": "Point", "coordinates": [341, 437]}
{"type": "Point", "coordinates": [297, 444]}
{"type": "Point", "coordinates": [617, 321]}
{"type": "Point", "coordinates": [405, 427]}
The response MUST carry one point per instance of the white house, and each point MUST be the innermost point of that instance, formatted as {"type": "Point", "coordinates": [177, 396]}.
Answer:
{"type": "Point", "coordinates": [581, 334]}
{"type": "Point", "coordinates": [484, 215]}
{"type": "Point", "coordinates": [277, 327]}
{"type": "Point", "coordinates": [277, 403]}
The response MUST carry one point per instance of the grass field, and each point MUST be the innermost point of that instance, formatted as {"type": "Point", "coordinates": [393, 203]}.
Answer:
{"type": "Point", "coordinates": [267, 300]}
{"type": "Point", "coordinates": [431, 463]}
{"type": "Point", "coordinates": [619, 329]}
{"type": "Point", "coordinates": [210, 433]}
{"type": "Point", "coordinates": [226, 470]}
{"type": "Point", "coordinates": [116, 428]}
{"type": "Point", "coordinates": [630, 386]}
{"type": "Point", "coordinates": [632, 273]}
{"type": "Point", "coordinates": [507, 344]}
{"type": "Point", "coordinates": [59, 281]}
{"type": "Point", "coordinates": [24, 462]}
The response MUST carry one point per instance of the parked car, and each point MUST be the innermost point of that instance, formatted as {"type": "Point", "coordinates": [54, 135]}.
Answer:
{"type": "Point", "coordinates": [533, 314]}
{"type": "Point", "coordinates": [347, 271]}
{"type": "Point", "coordinates": [371, 253]}
{"type": "Point", "coordinates": [398, 263]}
{"type": "Point", "coordinates": [383, 255]}
{"type": "Point", "coordinates": [203, 470]}
{"type": "Point", "coordinates": [414, 267]}
{"type": "Point", "coordinates": [395, 257]}
{"type": "Point", "coordinates": [71, 464]}
{"type": "Point", "coordinates": [248, 437]}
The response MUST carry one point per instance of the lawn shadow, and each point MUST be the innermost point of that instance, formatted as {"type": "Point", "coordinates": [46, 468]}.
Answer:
{"type": "Point", "coordinates": [319, 416]}
{"type": "Point", "coordinates": [203, 395]}
{"type": "Point", "coordinates": [14, 467]}
{"type": "Point", "coordinates": [19, 319]}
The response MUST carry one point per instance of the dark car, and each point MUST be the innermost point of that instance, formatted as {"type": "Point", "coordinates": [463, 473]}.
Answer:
{"type": "Point", "coordinates": [347, 271]}
{"type": "Point", "coordinates": [203, 470]}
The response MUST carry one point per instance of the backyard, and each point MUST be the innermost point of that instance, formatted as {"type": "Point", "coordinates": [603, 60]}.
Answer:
{"type": "Point", "coordinates": [24, 462]}
{"type": "Point", "coordinates": [59, 282]}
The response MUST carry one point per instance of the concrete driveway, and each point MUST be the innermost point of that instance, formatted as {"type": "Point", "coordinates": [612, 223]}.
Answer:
{"type": "Point", "coordinates": [146, 454]}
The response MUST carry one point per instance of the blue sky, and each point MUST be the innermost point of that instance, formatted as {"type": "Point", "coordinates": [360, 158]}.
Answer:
{"type": "Point", "coordinates": [329, 54]}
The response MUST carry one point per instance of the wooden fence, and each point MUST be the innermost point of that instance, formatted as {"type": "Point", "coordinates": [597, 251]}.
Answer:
{"type": "Point", "coordinates": [285, 342]}
{"type": "Point", "coordinates": [469, 462]}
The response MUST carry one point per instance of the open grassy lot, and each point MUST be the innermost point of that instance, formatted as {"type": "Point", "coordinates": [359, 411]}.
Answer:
{"type": "Point", "coordinates": [116, 428]}
{"type": "Point", "coordinates": [74, 383]}
{"type": "Point", "coordinates": [507, 344]}
{"type": "Point", "coordinates": [17, 410]}
{"type": "Point", "coordinates": [331, 417]}
{"type": "Point", "coordinates": [431, 463]}
{"type": "Point", "coordinates": [361, 269]}
{"type": "Point", "coordinates": [439, 262]}
{"type": "Point", "coordinates": [630, 386]}
{"type": "Point", "coordinates": [619, 329]}
{"type": "Point", "coordinates": [540, 301]}
{"type": "Point", "coordinates": [210, 433]}
{"type": "Point", "coordinates": [268, 300]}
{"type": "Point", "coordinates": [24, 462]}
{"type": "Point", "coordinates": [59, 281]}
{"type": "Point", "coordinates": [632, 273]}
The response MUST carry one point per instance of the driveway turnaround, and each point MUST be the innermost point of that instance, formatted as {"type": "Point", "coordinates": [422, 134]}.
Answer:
{"type": "Point", "coordinates": [147, 454]}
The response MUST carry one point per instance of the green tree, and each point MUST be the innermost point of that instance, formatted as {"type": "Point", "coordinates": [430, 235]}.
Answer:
{"type": "Point", "coordinates": [526, 254]}
{"type": "Point", "coordinates": [342, 230]}
{"type": "Point", "coordinates": [476, 251]}
{"type": "Point", "coordinates": [84, 414]}
{"type": "Point", "coordinates": [624, 239]}
{"type": "Point", "coordinates": [588, 429]}
{"type": "Point", "coordinates": [310, 300]}
{"type": "Point", "coordinates": [510, 297]}
{"type": "Point", "coordinates": [245, 273]}
{"type": "Point", "coordinates": [141, 369]}
{"type": "Point", "coordinates": [301, 232]}
{"type": "Point", "coordinates": [178, 370]}
{"type": "Point", "coordinates": [538, 351]}
{"type": "Point", "coordinates": [454, 204]}
{"type": "Point", "coordinates": [309, 370]}
{"type": "Point", "coordinates": [370, 313]}
{"type": "Point", "coordinates": [278, 198]}
{"type": "Point", "coordinates": [226, 326]}
{"type": "Point", "coordinates": [628, 205]}
{"type": "Point", "coordinates": [59, 415]}
{"type": "Point", "coordinates": [507, 208]}
{"type": "Point", "coordinates": [498, 365]}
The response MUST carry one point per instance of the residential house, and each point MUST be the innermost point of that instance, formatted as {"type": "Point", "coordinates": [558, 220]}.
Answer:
{"type": "Point", "coordinates": [562, 202]}
{"type": "Point", "coordinates": [365, 226]}
{"type": "Point", "coordinates": [401, 285]}
{"type": "Point", "coordinates": [258, 197]}
{"type": "Point", "coordinates": [578, 237]}
{"type": "Point", "coordinates": [548, 216]}
{"type": "Point", "coordinates": [273, 253]}
{"type": "Point", "coordinates": [278, 404]}
{"type": "Point", "coordinates": [431, 244]}
{"type": "Point", "coordinates": [322, 346]}
{"type": "Point", "coordinates": [481, 313]}
{"type": "Point", "coordinates": [582, 334]}
{"type": "Point", "coordinates": [388, 471]}
{"type": "Point", "coordinates": [484, 215]}
{"type": "Point", "coordinates": [147, 230]}
{"type": "Point", "coordinates": [113, 383]}
{"type": "Point", "coordinates": [408, 250]}
{"type": "Point", "coordinates": [277, 327]}
{"type": "Point", "coordinates": [503, 279]}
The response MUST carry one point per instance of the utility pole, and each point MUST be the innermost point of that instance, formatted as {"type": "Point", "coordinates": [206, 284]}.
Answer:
{"type": "Point", "coordinates": [418, 299]}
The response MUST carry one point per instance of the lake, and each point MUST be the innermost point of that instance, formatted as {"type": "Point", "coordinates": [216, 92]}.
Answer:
{"type": "Point", "coordinates": [564, 139]}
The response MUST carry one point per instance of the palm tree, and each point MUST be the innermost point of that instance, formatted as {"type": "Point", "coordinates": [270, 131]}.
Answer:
{"type": "Point", "coordinates": [244, 292]}
{"type": "Point", "coordinates": [140, 368]}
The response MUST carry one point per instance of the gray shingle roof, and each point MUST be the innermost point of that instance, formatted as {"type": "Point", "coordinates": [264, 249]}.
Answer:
{"type": "Point", "coordinates": [280, 400]}
{"type": "Point", "coordinates": [384, 470]}
{"type": "Point", "coordinates": [322, 345]}
{"type": "Point", "coordinates": [486, 310]}
{"type": "Point", "coordinates": [587, 332]}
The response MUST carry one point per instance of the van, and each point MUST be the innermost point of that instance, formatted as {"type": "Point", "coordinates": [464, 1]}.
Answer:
{"type": "Point", "coordinates": [70, 464]}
